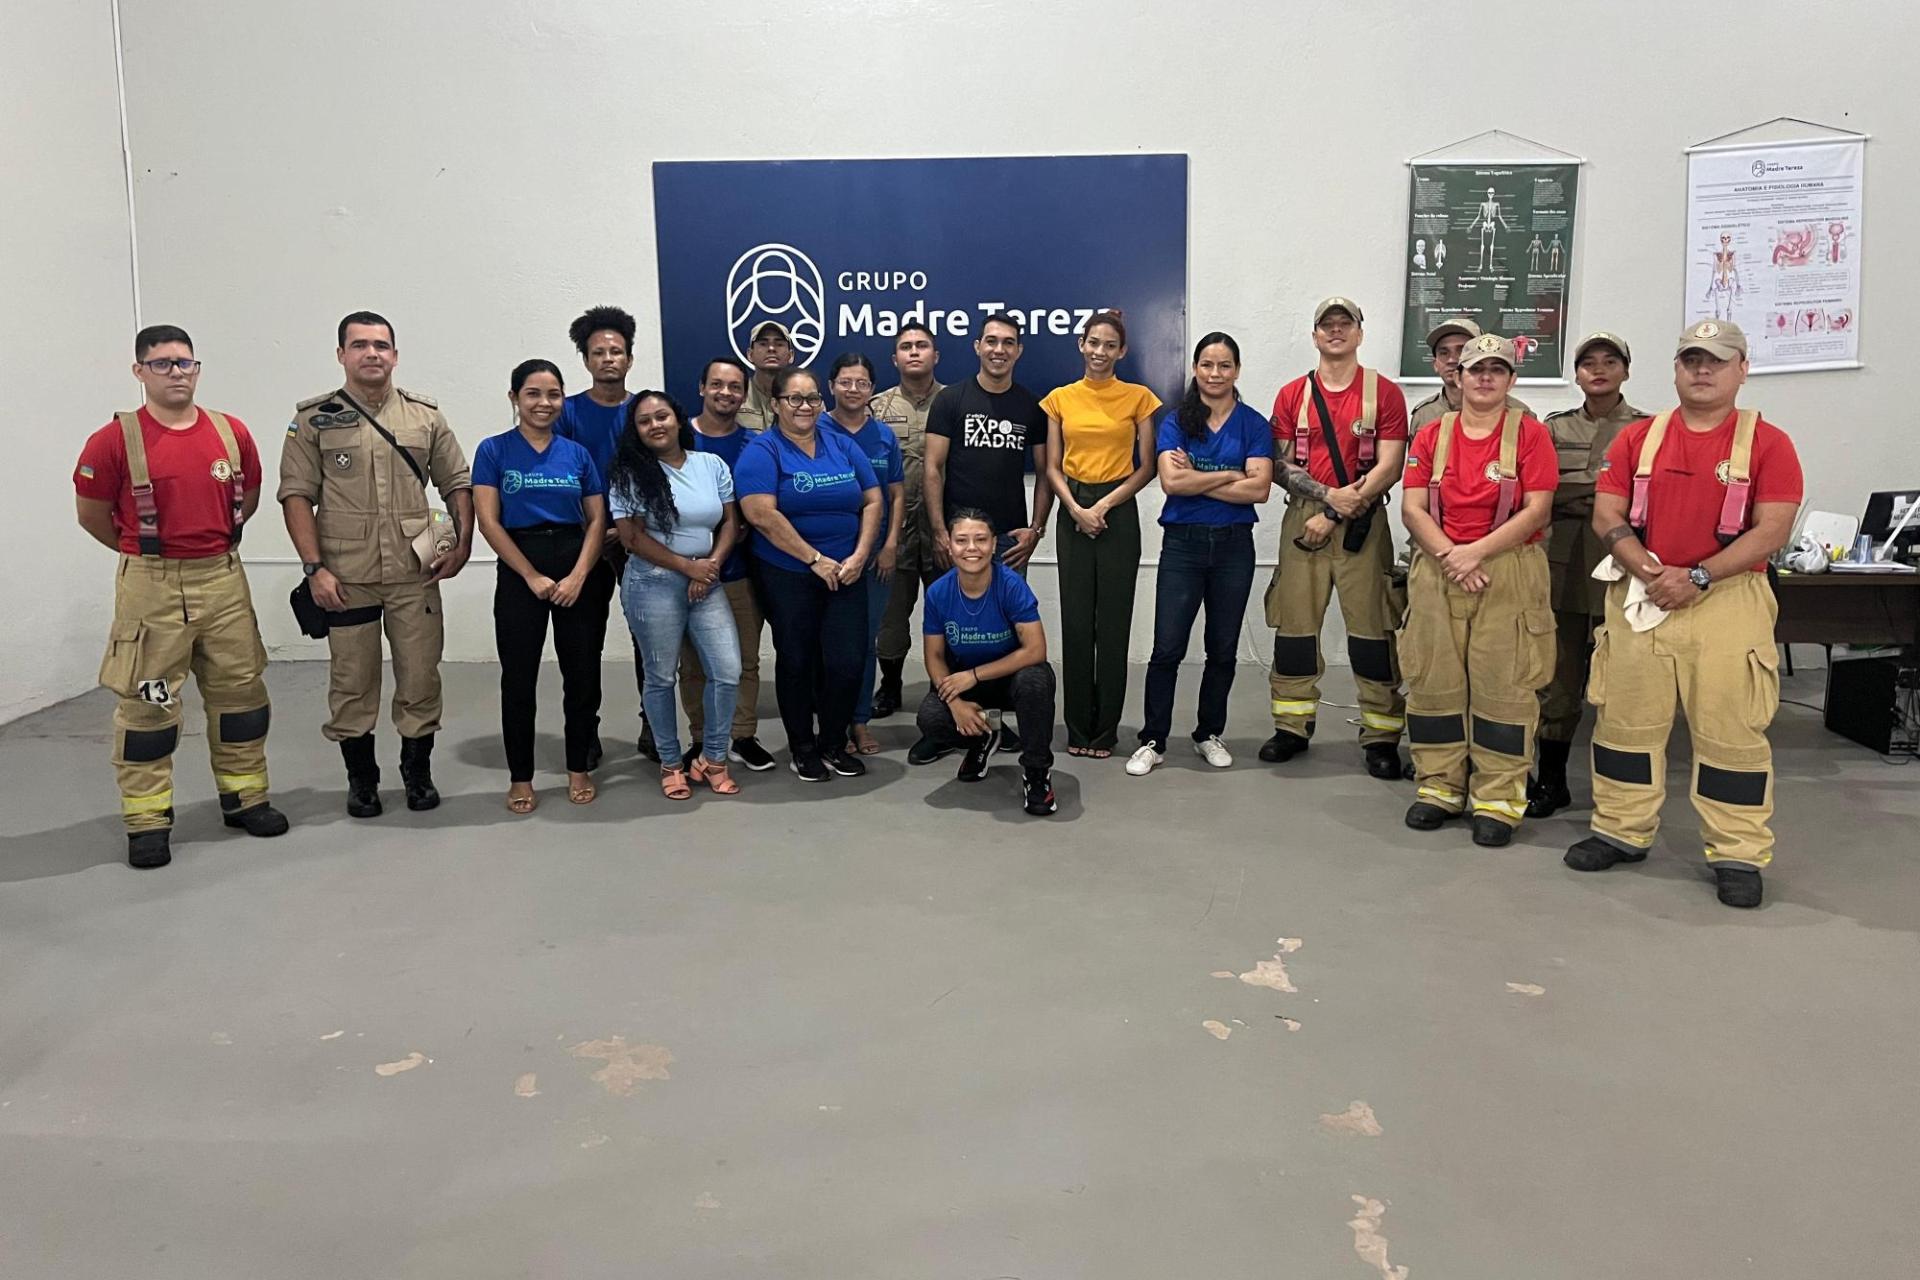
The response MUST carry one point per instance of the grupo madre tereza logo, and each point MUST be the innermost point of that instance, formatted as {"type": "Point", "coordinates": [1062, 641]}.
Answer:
{"type": "Point", "coordinates": [777, 282]}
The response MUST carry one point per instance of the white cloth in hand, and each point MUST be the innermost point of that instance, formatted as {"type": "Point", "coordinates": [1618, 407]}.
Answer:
{"type": "Point", "coordinates": [1642, 613]}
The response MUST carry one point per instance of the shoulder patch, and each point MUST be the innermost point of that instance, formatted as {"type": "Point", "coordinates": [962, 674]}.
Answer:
{"type": "Point", "coordinates": [417, 398]}
{"type": "Point", "coordinates": [293, 428]}
{"type": "Point", "coordinates": [1560, 413]}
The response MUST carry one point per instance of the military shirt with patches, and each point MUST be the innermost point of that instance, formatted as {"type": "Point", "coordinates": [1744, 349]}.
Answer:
{"type": "Point", "coordinates": [368, 504]}
{"type": "Point", "coordinates": [1430, 410]}
{"type": "Point", "coordinates": [908, 419]}
{"type": "Point", "coordinates": [756, 412]}
{"type": "Point", "coordinates": [1573, 549]}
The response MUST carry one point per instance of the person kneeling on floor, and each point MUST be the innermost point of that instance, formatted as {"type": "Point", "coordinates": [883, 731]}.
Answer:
{"type": "Point", "coordinates": [986, 651]}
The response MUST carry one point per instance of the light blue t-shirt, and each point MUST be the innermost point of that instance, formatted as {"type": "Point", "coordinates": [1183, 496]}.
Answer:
{"type": "Point", "coordinates": [702, 486]}
{"type": "Point", "coordinates": [820, 496]}
{"type": "Point", "coordinates": [1245, 434]}
{"type": "Point", "coordinates": [536, 487]}
{"type": "Point", "coordinates": [979, 631]}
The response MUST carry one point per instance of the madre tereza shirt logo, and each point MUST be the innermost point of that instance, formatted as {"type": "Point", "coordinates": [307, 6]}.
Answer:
{"type": "Point", "coordinates": [984, 432]}
{"type": "Point", "coordinates": [808, 481]}
{"type": "Point", "coordinates": [515, 481]}
{"type": "Point", "coordinates": [959, 636]}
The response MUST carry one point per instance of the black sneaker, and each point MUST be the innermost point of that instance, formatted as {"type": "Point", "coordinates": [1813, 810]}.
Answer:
{"type": "Point", "coordinates": [844, 763]}
{"type": "Point", "coordinates": [1491, 833]}
{"type": "Point", "coordinates": [749, 752]}
{"type": "Point", "coordinates": [926, 751]}
{"type": "Point", "coordinates": [1739, 886]}
{"type": "Point", "coordinates": [1596, 854]}
{"type": "Point", "coordinates": [1383, 761]}
{"type": "Point", "coordinates": [1544, 798]}
{"type": "Point", "coordinates": [1039, 791]}
{"type": "Point", "coordinates": [810, 768]}
{"type": "Point", "coordinates": [149, 849]}
{"type": "Point", "coordinates": [973, 765]}
{"type": "Point", "coordinates": [1009, 740]}
{"type": "Point", "coordinates": [644, 744]}
{"type": "Point", "coordinates": [1422, 816]}
{"type": "Point", "coordinates": [1282, 747]}
{"type": "Point", "coordinates": [260, 820]}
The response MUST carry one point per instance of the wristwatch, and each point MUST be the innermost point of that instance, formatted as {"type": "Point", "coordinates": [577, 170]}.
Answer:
{"type": "Point", "coordinates": [814, 561]}
{"type": "Point", "coordinates": [1699, 577]}
{"type": "Point", "coordinates": [1038, 531]}
{"type": "Point", "coordinates": [311, 567]}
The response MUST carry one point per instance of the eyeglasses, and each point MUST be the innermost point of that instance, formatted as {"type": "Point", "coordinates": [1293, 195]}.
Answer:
{"type": "Point", "coordinates": [861, 385]}
{"type": "Point", "coordinates": [164, 367]}
{"type": "Point", "coordinates": [813, 401]}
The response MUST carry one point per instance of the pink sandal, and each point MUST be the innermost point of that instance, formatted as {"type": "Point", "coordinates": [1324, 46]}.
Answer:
{"type": "Point", "coordinates": [673, 784]}
{"type": "Point", "coordinates": [715, 776]}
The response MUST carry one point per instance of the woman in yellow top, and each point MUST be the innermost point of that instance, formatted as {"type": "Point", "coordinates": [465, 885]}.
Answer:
{"type": "Point", "coordinates": [1099, 455]}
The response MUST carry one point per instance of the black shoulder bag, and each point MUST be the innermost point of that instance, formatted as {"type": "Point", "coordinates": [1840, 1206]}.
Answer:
{"type": "Point", "coordinates": [1357, 528]}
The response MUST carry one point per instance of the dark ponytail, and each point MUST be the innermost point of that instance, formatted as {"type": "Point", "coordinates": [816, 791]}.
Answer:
{"type": "Point", "coordinates": [1192, 414]}
{"type": "Point", "coordinates": [636, 474]}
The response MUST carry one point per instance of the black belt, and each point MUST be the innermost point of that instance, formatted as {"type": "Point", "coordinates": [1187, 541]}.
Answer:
{"type": "Point", "coordinates": [545, 529]}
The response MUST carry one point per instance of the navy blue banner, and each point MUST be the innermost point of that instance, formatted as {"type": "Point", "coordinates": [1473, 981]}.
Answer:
{"type": "Point", "coordinates": [843, 252]}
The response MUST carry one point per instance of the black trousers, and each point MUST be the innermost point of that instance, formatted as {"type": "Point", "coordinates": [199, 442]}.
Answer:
{"type": "Point", "coordinates": [602, 589]}
{"type": "Point", "coordinates": [520, 635]}
{"type": "Point", "coordinates": [1028, 693]}
{"type": "Point", "coordinates": [820, 649]}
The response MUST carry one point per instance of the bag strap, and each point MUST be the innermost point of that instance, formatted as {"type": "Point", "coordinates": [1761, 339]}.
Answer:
{"type": "Point", "coordinates": [1366, 430]}
{"type": "Point", "coordinates": [387, 435]}
{"type": "Point", "coordinates": [236, 479]}
{"type": "Point", "coordinates": [146, 512]}
{"type": "Point", "coordinates": [1327, 431]}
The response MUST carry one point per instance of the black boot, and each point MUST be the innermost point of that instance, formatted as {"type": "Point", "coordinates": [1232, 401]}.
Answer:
{"type": "Point", "coordinates": [260, 820]}
{"type": "Point", "coordinates": [1383, 761]}
{"type": "Point", "coordinates": [363, 777]}
{"type": "Point", "coordinates": [149, 849]}
{"type": "Point", "coordinates": [1547, 792]}
{"type": "Point", "coordinates": [886, 699]}
{"type": "Point", "coordinates": [416, 770]}
{"type": "Point", "coordinates": [1282, 746]}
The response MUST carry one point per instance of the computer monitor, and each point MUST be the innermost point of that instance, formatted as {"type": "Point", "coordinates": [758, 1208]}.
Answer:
{"type": "Point", "coordinates": [1887, 512]}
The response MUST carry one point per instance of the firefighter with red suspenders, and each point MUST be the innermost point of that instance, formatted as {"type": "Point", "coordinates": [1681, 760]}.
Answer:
{"type": "Point", "coordinates": [1691, 504]}
{"type": "Point", "coordinates": [169, 487]}
{"type": "Point", "coordinates": [1479, 637]}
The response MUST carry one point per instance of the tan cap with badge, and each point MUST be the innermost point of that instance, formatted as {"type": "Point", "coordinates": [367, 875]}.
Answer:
{"type": "Point", "coordinates": [1338, 303]}
{"type": "Point", "coordinates": [1721, 339]}
{"type": "Point", "coordinates": [760, 331]}
{"type": "Point", "coordinates": [1452, 324]}
{"type": "Point", "coordinates": [1487, 346]}
{"type": "Point", "coordinates": [1601, 338]}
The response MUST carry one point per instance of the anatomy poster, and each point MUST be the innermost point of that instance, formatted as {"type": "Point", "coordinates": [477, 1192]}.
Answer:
{"type": "Point", "coordinates": [1495, 243]}
{"type": "Point", "coordinates": [1773, 244]}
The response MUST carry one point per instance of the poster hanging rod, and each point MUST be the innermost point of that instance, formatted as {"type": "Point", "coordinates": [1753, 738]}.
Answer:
{"type": "Point", "coordinates": [1507, 163]}
{"type": "Point", "coordinates": [1554, 154]}
{"type": "Point", "coordinates": [1709, 147]}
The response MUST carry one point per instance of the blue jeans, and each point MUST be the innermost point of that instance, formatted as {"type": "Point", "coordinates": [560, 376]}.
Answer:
{"type": "Point", "coordinates": [878, 593]}
{"type": "Point", "coordinates": [1200, 564]}
{"type": "Point", "coordinates": [659, 614]}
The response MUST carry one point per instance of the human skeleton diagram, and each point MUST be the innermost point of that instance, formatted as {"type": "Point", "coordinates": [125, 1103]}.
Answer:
{"type": "Point", "coordinates": [1488, 221]}
{"type": "Point", "coordinates": [1725, 285]}
{"type": "Point", "coordinates": [1553, 254]}
{"type": "Point", "coordinates": [1439, 254]}
{"type": "Point", "coordinates": [1533, 255]}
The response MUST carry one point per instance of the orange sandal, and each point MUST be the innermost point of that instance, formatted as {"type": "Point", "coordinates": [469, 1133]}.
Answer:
{"type": "Point", "coordinates": [715, 776]}
{"type": "Point", "coordinates": [673, 784]}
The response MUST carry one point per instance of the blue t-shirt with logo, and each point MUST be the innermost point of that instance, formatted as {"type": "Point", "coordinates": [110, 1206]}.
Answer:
{"type": "Point", "coordinates": [1245, 434]}
{"type": "Point", "coordinates": [979, 631]}
{"type": "Point", "coordinates": [597, 426]}
{"type": "Point", "coordinates": [728, 448]}
{"type": "Point", "coordinates": [882, 447]}
{"type": "Point", "coordinates": [536, 487]}
{"type": "Point", "coordinates": [820, 496]}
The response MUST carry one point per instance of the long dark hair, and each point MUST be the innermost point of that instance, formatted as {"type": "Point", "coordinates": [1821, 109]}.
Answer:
{"type": "Point", "coordinates": [636, 474]}
{"type": "Point", "coordinates": [1192, 414]}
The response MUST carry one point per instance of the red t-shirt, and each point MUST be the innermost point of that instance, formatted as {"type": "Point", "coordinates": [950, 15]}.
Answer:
{"type": "Point", "coordinates": [187, 468]}
{"type": "Point", "coordinates": [1470, 491]}
{"type": "Point", "coordinates": [1390, 423]}
{"type": "Point", "coordinates": [1685, 492]}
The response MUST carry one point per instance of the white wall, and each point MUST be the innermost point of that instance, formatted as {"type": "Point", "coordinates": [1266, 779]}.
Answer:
{"type": "Point", "coordinates": [481, 172]}
{"type": "Point", "coordinates": [66, 330]}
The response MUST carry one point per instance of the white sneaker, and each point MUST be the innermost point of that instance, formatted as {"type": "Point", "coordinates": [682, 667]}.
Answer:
{"type": "Point", "coordinates": [1214, 752]}
{"type": "Point", "coordinates": [1144, 761]}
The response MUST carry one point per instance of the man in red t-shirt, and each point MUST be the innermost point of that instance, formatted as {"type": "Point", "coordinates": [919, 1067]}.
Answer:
{"type": "Point", "coordinates": [1681, 517]}
{"type": "Point", "coordinates": [1479, 639]}
{"type": "Point", "coordinates": [168, 488]}
{"type": "Point", "coordinates": [1334, 537]}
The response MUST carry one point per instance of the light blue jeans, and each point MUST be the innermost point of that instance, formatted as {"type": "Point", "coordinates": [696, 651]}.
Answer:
{"type": "Point", "coordinates": [659, 614]}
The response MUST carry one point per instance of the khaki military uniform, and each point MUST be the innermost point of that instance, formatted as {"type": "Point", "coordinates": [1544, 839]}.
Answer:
{"type": "Point", "coordinates": [756, 413]}
{"type": "Point", "coordinates": [173, 616]}
{"type": "Point", "coordinates": [908, 419]}
{"type": "Point", "coordinates": [369, 508]}
{"type": "Point", "coordinates": [1579, 602]}
{"type": "Point", "coordinates": [1433, 406]}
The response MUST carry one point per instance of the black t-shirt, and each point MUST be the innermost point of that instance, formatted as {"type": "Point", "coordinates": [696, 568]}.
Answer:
{"type": "Point", "coordinates": [988, 435]}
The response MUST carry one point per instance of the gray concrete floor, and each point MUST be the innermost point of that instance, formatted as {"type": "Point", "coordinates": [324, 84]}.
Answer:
{"type": "Point", "coordinates": [895, 1028]}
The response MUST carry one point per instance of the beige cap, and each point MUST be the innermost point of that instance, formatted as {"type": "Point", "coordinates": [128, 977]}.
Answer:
{"type": "Point", "coordinates": [760, 331]}
{"type": "Point", "coordinates": [1452, 324]}
{"type": "Point", "coordinates": [1601, 338]}
{"type": "Point", "coordinates": [1721, 339]}
{"type": "Point", "coordinates": [1488, 346]}
{"type": "Point", "coordinates": [1338, 303]}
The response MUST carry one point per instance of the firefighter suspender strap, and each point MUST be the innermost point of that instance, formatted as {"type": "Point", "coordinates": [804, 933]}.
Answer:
{"type": "Point", "coordinates": [1734, 508]}
{"type": "Point", "coordinates": [146, 512]}
{"type": "Point", "coordinates": [1509, 466]}
{"type": "Point", "coordinates": [1364, 430]}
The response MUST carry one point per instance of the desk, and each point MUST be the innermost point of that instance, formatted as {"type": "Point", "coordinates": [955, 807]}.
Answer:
{"type": "Point", "coordinates": [1849, 608]}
